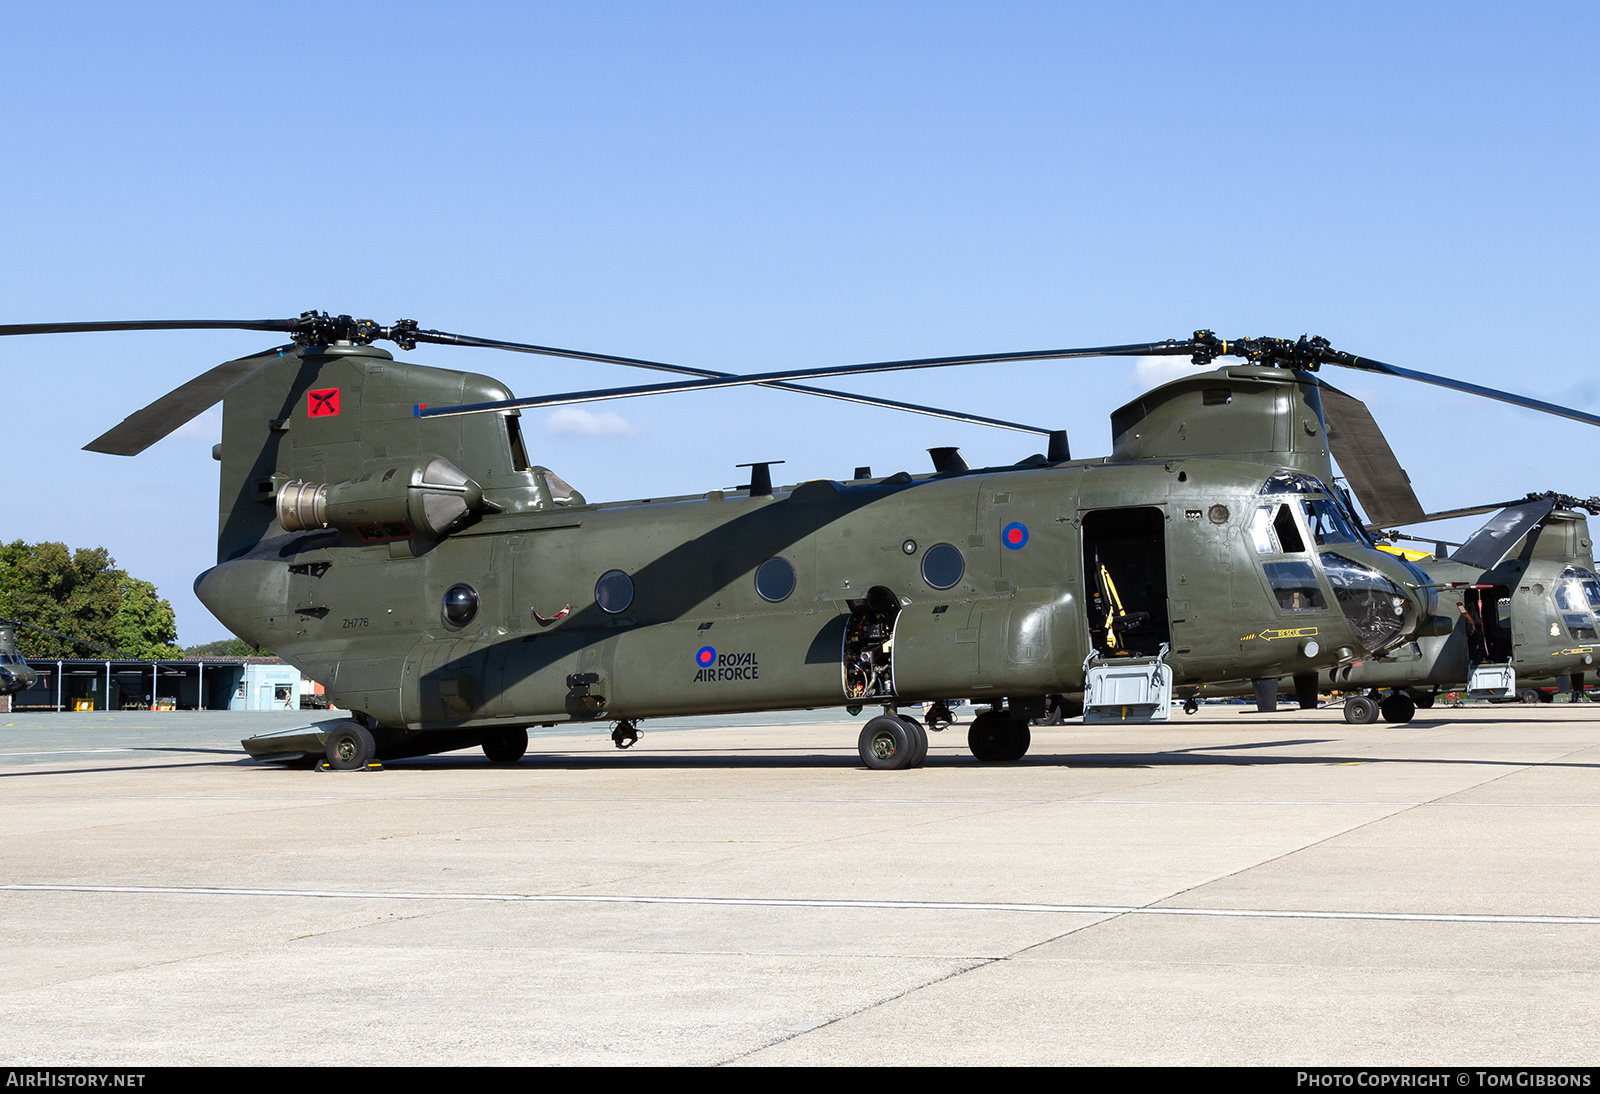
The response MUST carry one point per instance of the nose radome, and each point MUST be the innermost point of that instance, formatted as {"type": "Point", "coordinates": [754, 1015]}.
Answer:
{"type": "Point", "coordinates": [1384, 599]}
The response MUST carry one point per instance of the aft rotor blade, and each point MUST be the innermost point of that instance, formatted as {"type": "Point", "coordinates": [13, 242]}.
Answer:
{"type": "Point", "coordinates": [1369, 464]}
{"type": "Point", "coordinates": [143, 428]}
{"type": "Point", "coordinates": [1470, 511]}
{"type": "Point", "coordinates": [278, 325]}
{"type": "Point", "coordinates": [764, 378]}
{"type": "Point", "coordinates": [1488, 545]}
{"type": "Point", "coordinates": [444, 338]}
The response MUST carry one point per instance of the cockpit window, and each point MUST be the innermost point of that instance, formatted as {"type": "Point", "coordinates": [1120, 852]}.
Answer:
{"type": "Point", "coordinates": [1578, 588]}
{"type": "Point", "coordinates": [1273, 531]}
{"type": "Point", "coordinates": [1295, 586]}
{"type": "Point", "coordinates": [1261, 531]}
{"type": "Point", "coordinates": [1294, 482]}
{"type": "Point", "coordinates": [1577, 595]}
{"type": "Point", "coordinates": [1288, 532]}
{"type": "Point", "coordinates": [1329, 523]}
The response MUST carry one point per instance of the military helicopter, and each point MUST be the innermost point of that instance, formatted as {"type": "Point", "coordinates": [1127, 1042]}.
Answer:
{"type": "Point", "coordinates": [1521, 595]}
{"type": "Point", "coordinates": [383, 528]}
{"type": "Point", "coordinates": [15, 675]}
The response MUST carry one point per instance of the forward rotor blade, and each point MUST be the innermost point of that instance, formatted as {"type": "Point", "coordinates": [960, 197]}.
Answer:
{"type": "Point", "coordinates": [1366, 364]}
{"type": "Point", "coordinates": [143, 428]}
{"type": "Point", "coordinates": [767, 378]}
{"type": "Point", "coordinates": [444, 338]}
{"type": "Point", "coordinates": [1486, 547]}
{"type": "Point", "coordinates": [1369, 464]}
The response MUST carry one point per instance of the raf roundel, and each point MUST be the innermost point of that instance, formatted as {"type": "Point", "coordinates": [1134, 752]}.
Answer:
{"type": "Point", "coordinates": [706, 657]}
{"type": "Point", "coordinates": [1014, 535]}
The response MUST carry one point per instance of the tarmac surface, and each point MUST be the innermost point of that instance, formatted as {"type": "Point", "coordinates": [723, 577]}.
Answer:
{"type": "Point", "coordinates": [1231, 888]}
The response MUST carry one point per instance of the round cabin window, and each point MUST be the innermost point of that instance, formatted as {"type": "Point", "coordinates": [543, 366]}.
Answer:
{"type": "Point", "coordinates": [943, 565]}
{"type": "Point", "coordinates": [614, 591]}
{"type": "Point", "coordinates": [775, 580]}
{"type": "Point", "coordinates": [460, 604]}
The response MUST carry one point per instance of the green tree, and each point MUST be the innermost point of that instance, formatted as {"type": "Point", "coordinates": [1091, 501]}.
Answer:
{"type": "Point", "coordinates": [144, 625]}
{"type": "Point", "coordinates": [227, 647]}
{"type": "Point", "coordinates": [83, 594]}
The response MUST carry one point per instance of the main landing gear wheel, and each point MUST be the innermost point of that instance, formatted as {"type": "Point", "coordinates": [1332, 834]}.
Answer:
{"type": "Point", "coordinates": [1424, 700]}
{"type": "Point", "coordinates": [1398, 708]}
{"type": "Point", "coordinates": [1361, 710]}
{"type": "Point", "coordinates": [350, 747]}
{"type": "Point", "coordinates": [506, 746]}
{"type": "Point", "coordinates": [994, 737]}
{"type": "Point", "coordinates": [887, 744]}
{"type": "Point", "coordinates": [1021, 740]}
{"type": "Point", "coordinates": [1529, 696]}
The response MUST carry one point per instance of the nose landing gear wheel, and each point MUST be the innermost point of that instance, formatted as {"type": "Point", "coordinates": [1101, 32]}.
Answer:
{"type": "Point", "coordinates": [919, 740]}
{"type": "Point", "coordinates": [886, 744]}
{"type": "Point", "coordinates": [1361, 710]}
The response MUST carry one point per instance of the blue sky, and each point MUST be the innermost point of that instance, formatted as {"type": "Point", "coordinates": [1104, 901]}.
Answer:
{"type": "Point", "coordinates": [763, 186]}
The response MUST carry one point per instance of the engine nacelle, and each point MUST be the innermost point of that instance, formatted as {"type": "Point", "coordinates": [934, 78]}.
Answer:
{"type": "Point", "coordinates": [429, 496]}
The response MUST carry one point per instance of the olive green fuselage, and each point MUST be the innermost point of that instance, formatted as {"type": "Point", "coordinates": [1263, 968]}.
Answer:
{"type": "Point", "coordinates": [990, 584]}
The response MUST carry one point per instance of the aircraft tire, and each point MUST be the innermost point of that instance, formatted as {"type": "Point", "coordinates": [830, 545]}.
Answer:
{"type": "Point", "coordinates": [1020, 738]}
{"type": "Point", "coordinates": [885, 744]}
{"type": "Point", "coordinates": [919, 741]}
{"type": "Point", "coordinates": [988, 736]}
{"type": "Point", "coordinates": [1398, 708]}
{"type": "Point", "coordinates": [1361, 710]}
{"type": "Point", "coordinates": [350, 746]}
{"type": "Point", "coordinates": [506, 746]}
{"type": "Point", "coordinates": [1529, 696]}
{"type": "Point", "coordinates": [1423, 699]}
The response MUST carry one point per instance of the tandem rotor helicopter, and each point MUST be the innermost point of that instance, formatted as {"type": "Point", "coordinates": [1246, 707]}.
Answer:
{"type": "Point", "coordinates": [1521, 597]}
{"type": "Point", "coordinates": [383, 528]}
